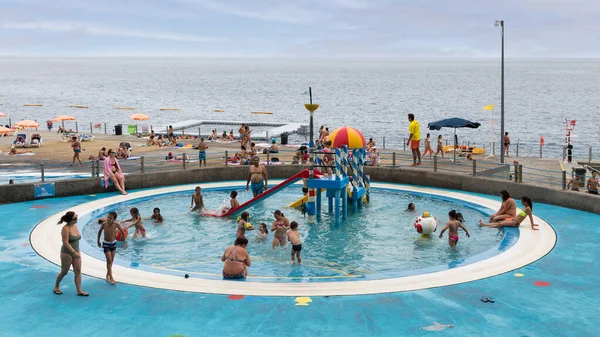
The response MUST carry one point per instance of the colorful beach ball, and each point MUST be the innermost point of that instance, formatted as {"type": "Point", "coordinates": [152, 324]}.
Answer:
{"type": "Point", "coordinates": [348, 136]}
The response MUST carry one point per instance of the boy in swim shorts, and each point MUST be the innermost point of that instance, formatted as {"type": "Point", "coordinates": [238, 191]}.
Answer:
{"type": "Point", "coordinates": [452, 227]}
{"type": "Point", "coordinates": [202, 152]}
{"type": "Point", "coordinates": [109, 244]}
{"type": "Point", "coordinates": [294, 238]}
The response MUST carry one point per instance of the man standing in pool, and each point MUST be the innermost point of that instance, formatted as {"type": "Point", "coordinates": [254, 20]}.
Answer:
{"type": "Point", "coordinates": [452, 227]}
{"type": "Point", "coordinates": [414, 139]}
{"type": "Point", "coordinates": [257, 175]}
{"type": "Point", "coordinates": [110, 228]}
{"type": "Point", "coordinates": [197, 201]}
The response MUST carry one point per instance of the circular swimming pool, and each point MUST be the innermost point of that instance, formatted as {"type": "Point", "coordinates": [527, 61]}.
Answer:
{"type": "Point", "coordinates": [375, 251]}
{"type": "Point", "coordinates": [377, 241]}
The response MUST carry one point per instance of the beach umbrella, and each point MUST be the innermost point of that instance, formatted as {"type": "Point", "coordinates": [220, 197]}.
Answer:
{"type": "Point", "coordinates": [63, 118]}
{"type": "Point", "coordinates": [348, 136]}
{"type": "Point", "coordinates": [139, 117]}
{"type": "Point", "coordinates": [453, 123]}
{"type": "Point", "coordinates": [27, 124]}
{"type": "Point", "coordinates": [4, 130]}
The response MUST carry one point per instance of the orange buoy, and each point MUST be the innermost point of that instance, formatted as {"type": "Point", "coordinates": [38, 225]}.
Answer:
{"type": "Point", "coordinates": [542, 140]}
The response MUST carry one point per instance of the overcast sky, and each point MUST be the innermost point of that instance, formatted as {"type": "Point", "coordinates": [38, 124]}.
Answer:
{"type": "Point", "coordinates": [320, 28]}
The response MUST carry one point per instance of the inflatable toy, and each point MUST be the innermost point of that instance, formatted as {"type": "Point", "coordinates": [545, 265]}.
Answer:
{"type": "Point", "coordinates": [425, 224]}
{"type": "Point", "coordinates": [120, 234]}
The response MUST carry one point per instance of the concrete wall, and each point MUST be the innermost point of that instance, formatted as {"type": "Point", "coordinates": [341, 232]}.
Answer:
{"type": "Point", "coordinates": [574, 200]}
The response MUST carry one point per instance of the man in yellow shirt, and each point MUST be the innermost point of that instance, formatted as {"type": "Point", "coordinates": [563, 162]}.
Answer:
{"type": "Point", "coordinates": [414, 139]}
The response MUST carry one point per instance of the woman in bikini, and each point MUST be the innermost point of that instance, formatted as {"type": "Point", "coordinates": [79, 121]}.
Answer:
{"type": "Point", "coordinates": [76, 145]}
{"type": "Point", "coordinates": [112, 171]}
{"type": "Point", "coordinates": [507, 210]}
{"type": "Point", "coordinates": [440, 147]}
{"type": "Point", "coordinates": [279, 228]}
{"type": "Point", "coordinates": [236, 260]}
{"type": "Point", "coordinates": [516, 222]}
{"type": "Point", "coordinates": [69, 253]}
{"type": "Point", "coordinates": [428, 149]}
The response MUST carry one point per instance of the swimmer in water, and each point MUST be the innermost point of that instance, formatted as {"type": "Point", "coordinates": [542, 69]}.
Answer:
{"type": "Point", "coordinates": [136, 221]}
{"type": "Point", "coordinates": [197, 201]}
{"type": "Point", "coordinates": [156, 216]}
{"type": "Point", "coordinates": [452, 227]}
{"type": "Point", "coordinates": [109, 244]}
{"type": "Point", "coordinates": [411, 207]}
{"type": "Point", "coordinates": [279, 228]}
{"type": "Point", "coordinates": [294, 238]}
{"type": "Point", "coordinates": [243, 225]}
{"type": "Point", "coordinates": [262, 232]}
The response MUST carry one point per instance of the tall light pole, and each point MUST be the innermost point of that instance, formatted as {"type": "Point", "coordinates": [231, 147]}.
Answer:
{"type": "Point", "coordinates": [501, 24]}
{"type": "Point", "coordinates": [311, 108]}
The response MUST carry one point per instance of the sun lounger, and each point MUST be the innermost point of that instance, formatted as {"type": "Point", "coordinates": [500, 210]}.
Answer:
{"type": "Point", "coordinates": [36, 140]}
{"type": "Point", "coordinates": [86, 138]}
{"type": "Point", "coordinates": [20, 141]}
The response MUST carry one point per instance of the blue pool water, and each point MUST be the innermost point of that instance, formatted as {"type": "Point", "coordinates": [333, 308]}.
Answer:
{"type": "Point", "coordinates": [376, 242]}
{"type": "Point", "coordinates": [568, 307]}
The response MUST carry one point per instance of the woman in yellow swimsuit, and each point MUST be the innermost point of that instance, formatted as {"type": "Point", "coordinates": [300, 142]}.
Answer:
{"type": "Point", "coordinates": [516, 221]}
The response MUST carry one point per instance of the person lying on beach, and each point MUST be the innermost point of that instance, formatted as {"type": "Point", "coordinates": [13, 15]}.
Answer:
{"type": "Point", "coordinates": [151, 141]}
{"type": "Point", "coordinates": [14, 151]}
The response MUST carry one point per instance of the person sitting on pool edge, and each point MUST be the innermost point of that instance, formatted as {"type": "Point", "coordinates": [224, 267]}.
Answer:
{"type": "Point", "coordinates": [452, 227]}
{"type": "Point", "coordinates": [516, 222]}
{"type": "Point", "coordinates": [507, 210]}
{"type": "Point", "coordinates": [236, 260]}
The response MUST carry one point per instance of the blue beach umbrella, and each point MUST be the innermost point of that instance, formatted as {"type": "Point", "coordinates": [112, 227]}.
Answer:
{"type": "Point", "coordinates": [453, 123]}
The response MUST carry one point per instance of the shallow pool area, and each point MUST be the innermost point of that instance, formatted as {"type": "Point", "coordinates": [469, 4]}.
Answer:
{"type": "Point", "coordinates": [552, 293]}
{"type": "Point", "coordinates": [377, 241]}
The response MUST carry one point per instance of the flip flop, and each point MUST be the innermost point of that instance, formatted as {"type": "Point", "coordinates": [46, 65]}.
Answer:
{"type": "Point", "coordinates": [83, 294]}
{"type": "Point", "coordinates": [487, 299]}
{"type": "Point", "coordinates": [57, 292]}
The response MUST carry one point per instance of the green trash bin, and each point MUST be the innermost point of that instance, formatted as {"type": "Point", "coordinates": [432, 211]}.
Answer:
{"type": "Point", "coordinates": [131, 129]}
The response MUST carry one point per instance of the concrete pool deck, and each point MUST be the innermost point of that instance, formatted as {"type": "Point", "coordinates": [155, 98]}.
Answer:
{"type": "Point", "coordinates": [554, 296]}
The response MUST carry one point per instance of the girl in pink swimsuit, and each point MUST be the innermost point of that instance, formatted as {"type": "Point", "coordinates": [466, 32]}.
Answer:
{"type": "Point", "coordinates": [452, 227]}
{"type": "Point", "coordinates": [279, 228]}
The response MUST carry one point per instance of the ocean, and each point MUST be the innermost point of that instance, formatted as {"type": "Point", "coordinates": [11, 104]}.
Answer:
{"type": "Point", "coordinates": [373, 96]}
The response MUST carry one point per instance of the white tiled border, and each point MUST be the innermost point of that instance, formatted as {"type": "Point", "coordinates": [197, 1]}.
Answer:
{"type": "Point", "coordinates": [531, 246]}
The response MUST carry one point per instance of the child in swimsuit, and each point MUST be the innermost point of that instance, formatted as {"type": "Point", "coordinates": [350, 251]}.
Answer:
{"type": "Point", "coordinates": [197, 200]}
{"type": "Point", "coordinates": [279, 228]}
{"type": "Point", "coordinates": [109, 244]}
{"type": "Point", "coordinates": [137, 223]}
{"type": "Point", "coordinates": [452, 227]}
{"type": "Point", "coordinates": [262, 232]}
{"type": "Point", "coordinates": [294, 238]}
{"type": "Point", "coordinates": [156, 216]}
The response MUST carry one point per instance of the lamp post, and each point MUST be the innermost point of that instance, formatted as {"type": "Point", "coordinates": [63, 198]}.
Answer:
{"type": "Point", "coordinates": [501, 24]}
{"type": "Point", "coordinates": [312, 108]}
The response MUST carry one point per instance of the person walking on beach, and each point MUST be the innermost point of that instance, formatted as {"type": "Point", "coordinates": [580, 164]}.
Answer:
{"type": "Point", "coordinates": [69, 253]}
{"type": "Point", "coordinates": [440, 147]}
{"type": "Point", "coordinates": [414, 139]}
{"type": "Point", "coordinates": [428, 149]}
{"type": "Point", "coordinates": [76, 145]}
{"type": "Point", "coordinates": [506, 143]}
{"type": "Point", "coordinates": [257, 175]}
{"type": "Point", "coordinates": [202, 152]}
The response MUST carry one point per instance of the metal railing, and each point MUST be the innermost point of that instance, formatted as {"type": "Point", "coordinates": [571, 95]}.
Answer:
{"type": "Point", "coordinates": [33, 173]}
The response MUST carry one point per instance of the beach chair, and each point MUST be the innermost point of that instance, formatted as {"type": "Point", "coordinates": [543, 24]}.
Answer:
{"type": "Point", "coordinates": [145, 130]}
{"type": "Point", "coordinates": [36, 140]}
{"type": "Point", "coordinates": [20, 141]}
{"type": "Point", "coordinates": [66, 137]}
{"type": "Point", "coordinates": [86, 138]}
